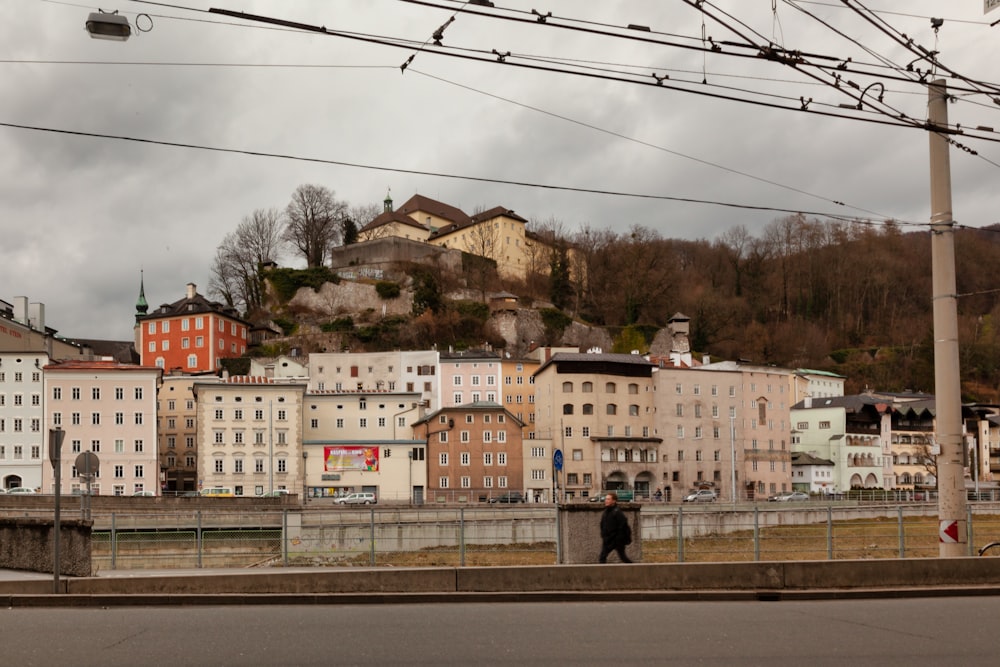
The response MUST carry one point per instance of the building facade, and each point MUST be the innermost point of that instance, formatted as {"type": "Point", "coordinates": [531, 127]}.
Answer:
{"type": "Point", "coordinates": [110, 410]}
{"type": "Point", "coordinates": [192, 334]}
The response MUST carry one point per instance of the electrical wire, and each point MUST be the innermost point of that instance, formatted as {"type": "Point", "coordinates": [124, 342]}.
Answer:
{"type": "Point", "coordinates": [479, 179]}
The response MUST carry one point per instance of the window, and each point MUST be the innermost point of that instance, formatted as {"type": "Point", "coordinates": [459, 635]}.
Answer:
{"type": "Point", "coordinates": [137, 394]}
{"type": "Point", "coordinates": [487, 458]}
{"type": "Point", "coordinates": [567, 387]}
{"type": "Point", "coordinates": [567, 408]}
{"type": "Point", "coordinates": [258, 465]}
{"type": "Point", "coordinates": [612, 409]}
{"type": "Point", "coordinates": [466, 482]}
{"type": "Point", "coordinates": [538, 473]}
{"type": "Point", "coordinates": [443, 482]}
{"type": "Point", "coordinates": [119, 446]}
{"type": "Point", "coordinates": [568, 431]}
{"type": "Point", "coordinates": [464, 458]}
{"type": "Point", "coordinates": [443, 458]}
{"type": "Point", "coordinates": [139, 471]}
{"type": "Point", "coordinates": [238, 466]}
{"type": "Point", "coordinates": [57, 393]}
{"type": "Point", "coordinates": [824, 424]}
{"type": "Point", "coordinates": [609, 388]}
{"type": "Point", "coordinates": [587, 387]}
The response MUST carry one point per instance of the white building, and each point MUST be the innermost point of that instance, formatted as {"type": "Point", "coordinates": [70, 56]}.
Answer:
{"type": "Point", "coordinates": [21, 419]}
{"type": "Point", "coordinates": [812, 475]}
{"type": "Point", "coordinates": [396, 371]}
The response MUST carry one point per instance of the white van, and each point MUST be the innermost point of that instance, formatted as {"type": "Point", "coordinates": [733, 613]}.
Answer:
{"type": "Point", "coordinates": [217, 492]}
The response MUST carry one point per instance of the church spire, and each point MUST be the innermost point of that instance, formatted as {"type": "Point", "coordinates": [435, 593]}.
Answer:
{"type": "Point", "coordinates": [141, 307]}
{"type": "Point", "coordinates": [387, 202]}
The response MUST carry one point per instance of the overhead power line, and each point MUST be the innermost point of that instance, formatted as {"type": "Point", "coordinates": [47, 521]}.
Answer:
{"type": "Point", "coordinates": [480, 179]}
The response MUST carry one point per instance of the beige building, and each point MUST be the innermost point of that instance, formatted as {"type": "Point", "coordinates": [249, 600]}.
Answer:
{"type": "Point", "coordinates": [249, 434]}
{"type": "Point", "coordinates": [363, 441]}
{"type": "Point", "coordinates": [178, 431]}
{"type": "Point", "coordinates": [598, 409]}
{"type": "Point", "coordinates": [393, 371]}
{"type": "Point", "coordinates": [109, 409]}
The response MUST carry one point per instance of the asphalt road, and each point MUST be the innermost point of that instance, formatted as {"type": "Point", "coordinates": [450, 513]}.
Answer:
{"type": "Point", "coordinates": [931, 631]}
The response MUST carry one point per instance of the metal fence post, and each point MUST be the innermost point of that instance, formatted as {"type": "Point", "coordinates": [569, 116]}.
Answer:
{"type": "Point", "coordinates": [680, 534]}
{"type": "Point", "coordinates": [461, 537]}
{"type": "Point", "coordinates": [284, 536]}
{"type": "Point", "coordinates": [371, 520]}
{"type": "Point", "coordinates": [902, 533]}
{"type": "Point", "coordinates": [114, 543]}
{"type": "Point", "coordinates": [756, 533]}
{"type": "Point", "coordinates": [829, 532]}
{"type": "Point", "coordinates": [197, 536]}
{"type": "Point", "coordinates": [968, 528]}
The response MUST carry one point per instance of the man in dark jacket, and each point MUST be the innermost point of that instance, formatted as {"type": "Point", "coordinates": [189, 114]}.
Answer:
{"type": "Point", "coordinates": [614, 530]}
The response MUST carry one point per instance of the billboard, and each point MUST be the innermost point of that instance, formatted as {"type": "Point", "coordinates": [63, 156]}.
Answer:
{"type": "Point", "coordinates": [350, 458]}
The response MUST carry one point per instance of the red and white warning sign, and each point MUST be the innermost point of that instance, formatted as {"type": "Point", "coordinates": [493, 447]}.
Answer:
{"type": "Point", "coordinates": [948, 531]}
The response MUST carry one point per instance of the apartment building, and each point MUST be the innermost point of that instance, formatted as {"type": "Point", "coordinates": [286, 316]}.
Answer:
{"type": "Point", "coordinates": [474, 452]}
{"type": "Point", "coordinates": [22, 436]}
{"type": "Point", "coordinates": [364, 441]}
{"type": "Point", "coordinates": [178, 431]}
{"type": "Point", "coordinates": [249, 434]}
{"type": "Point", "coordinates": [109, 409]}
{"type": "Point", "coordinates": [696, 415]}
{"type": "Point", "coordinates": [395, 371]}
{"type": "Point", "coordinates": [598, 409]}
{"type": "Point", "coordinates": [518, 391]}
{"type": "Point", "coordinates": [192, 334]}
{"type": "Point", "coordinates": [471, 376]}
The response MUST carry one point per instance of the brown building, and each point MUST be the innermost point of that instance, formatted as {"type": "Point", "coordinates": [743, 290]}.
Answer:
{"type": "Point", "coordinates": [473, 452]}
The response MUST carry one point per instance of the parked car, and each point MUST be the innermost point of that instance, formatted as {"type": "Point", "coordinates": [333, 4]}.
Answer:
{"type": "Point", "coordinates": [216, 492]}
{"type": "Point", "coordinates": [21, 489]}
{"type": "Point", "coordinates": [701, 496]}
{"type": "Point", "coordinates": [509, 497]}
{"type": "Point", "coordinates": [794, 496]}
{"type": "Point", "coordinates": [277, 493]}
{"type": "Point", "coordinates": [362, 498]}
{"type": "Point", "coordinates": [144, 493]}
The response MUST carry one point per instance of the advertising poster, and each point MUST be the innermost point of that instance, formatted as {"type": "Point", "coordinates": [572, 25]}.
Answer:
{"type": "Point", "coordinates": [350, 458]}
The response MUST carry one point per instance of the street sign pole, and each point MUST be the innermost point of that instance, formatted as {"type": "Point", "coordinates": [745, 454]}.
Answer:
{"type": "Point", "coordinates": [56, 436]}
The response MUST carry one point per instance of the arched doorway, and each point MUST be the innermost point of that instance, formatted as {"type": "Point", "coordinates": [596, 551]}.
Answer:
{"type": "Point", "coordinates": [12, 481]}
{"type": "Point", "coordinates": [644, 485]}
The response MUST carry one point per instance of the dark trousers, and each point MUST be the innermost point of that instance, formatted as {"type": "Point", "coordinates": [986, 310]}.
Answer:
{"type": "Point", "coordinates": [617, 548]}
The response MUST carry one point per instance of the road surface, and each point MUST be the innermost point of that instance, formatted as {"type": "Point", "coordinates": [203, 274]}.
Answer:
{"type": "Point", "coordinates": [930, 631]}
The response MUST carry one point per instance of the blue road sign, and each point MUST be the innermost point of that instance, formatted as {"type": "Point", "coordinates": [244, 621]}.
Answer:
{"type": "Point", "coordinates": [557, 459]}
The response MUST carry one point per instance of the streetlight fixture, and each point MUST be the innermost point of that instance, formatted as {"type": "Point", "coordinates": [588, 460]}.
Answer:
{"type": "Point", "coordinates": [108, 25]}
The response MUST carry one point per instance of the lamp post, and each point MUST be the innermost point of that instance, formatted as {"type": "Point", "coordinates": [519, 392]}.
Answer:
{"type": "Point", "coordinates": [305, 482]}
{"type": "Point", "coordinates": [732, 453]}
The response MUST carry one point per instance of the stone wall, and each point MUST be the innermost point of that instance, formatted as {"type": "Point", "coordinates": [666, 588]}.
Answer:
{"type": "Point", "coordinates": [580, 530]}
{"type": "Point", "coordinates": [27, 544]}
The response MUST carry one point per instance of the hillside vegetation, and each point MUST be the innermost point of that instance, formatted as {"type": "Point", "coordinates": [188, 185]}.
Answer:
{"type": "Point", "coordinates": [850, 298]}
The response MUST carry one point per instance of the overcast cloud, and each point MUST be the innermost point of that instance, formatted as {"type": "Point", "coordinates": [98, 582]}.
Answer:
{"type": "Point", "coordinates": [82, 216]}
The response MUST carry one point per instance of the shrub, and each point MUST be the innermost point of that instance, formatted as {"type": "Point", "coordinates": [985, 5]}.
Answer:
{"type": "Point", "coordinates": [386, 289]}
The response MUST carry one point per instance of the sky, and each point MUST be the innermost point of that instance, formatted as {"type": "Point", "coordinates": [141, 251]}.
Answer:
{"type": "Point", "coordinates": [128, 159]}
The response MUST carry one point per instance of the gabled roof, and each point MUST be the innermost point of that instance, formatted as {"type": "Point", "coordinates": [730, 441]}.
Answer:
{"type": "Point", "coordinates": [389, 217]}
{"type": "Point", "coordinates": [599, 363]}
{"type": "Point", "coordinates": [496, 212]}
{"type": "Point", "coordinates": [192, 306]}
{"type": "Point", "coordinates": [805, 459]}
{"type": "Point", "coordinates": [440, 209]}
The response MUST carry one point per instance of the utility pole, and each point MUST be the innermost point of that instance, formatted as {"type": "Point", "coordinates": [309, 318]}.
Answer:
{"type": "Point", "coordinates": [947, 384]}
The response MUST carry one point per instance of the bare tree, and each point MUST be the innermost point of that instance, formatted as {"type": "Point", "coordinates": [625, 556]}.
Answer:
{"type": "Point", "coordinates": [314, 222]}
{"type": "Point", "coordinates": [239, 259]}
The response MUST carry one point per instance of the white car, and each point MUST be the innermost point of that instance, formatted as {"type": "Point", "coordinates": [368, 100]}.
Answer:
{"type": "Point", "coordinates": [356, 499]}
{"type": "Point", "coordinates": [21, 489]}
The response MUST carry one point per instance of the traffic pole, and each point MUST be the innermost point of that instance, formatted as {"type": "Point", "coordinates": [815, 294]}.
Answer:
{"type": "Point", "coordinates": [952, 528]}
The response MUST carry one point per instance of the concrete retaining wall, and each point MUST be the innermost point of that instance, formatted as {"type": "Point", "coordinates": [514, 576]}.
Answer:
{"type": "Point", "coordinates": [765, 576]}
{"type": "Point", "coordinates": [27, 544]}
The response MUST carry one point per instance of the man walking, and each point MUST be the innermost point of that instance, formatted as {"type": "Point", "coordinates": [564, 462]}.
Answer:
{"type": "Point", "coordinates": [615, 531]}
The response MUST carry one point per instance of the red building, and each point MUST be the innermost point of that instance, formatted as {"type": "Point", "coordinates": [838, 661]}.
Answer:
{"type": "Point", "coordinates": [192, 334]}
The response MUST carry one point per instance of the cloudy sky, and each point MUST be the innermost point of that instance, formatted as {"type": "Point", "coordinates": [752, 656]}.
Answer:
{"type": "Point", "coordinates": [571, 126]}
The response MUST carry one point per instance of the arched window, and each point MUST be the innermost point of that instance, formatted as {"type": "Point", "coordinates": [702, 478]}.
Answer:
{"type": "Point", "coordinates": [587, 387]}
{"type": "Point", "coordinates": [567, 387]}
{"type": "Point", "coordinates": [610, 387]}
{"type": "Point", "coordinates": [633, 410]}
{"type": "Point", "coordinates": [905, 478]}
{"type": "Point", "coordinates": [612, 409]}
{"type": "Point", "coordinates": [567, 408]}
{"type": "Point", "coordinates": [633, 388]}
{"type": "Point", "coordinates": [588, 408]}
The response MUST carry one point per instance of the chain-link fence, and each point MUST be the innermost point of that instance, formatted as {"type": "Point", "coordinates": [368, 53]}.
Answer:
{"type": "Point", "coordinates": [516, 535]}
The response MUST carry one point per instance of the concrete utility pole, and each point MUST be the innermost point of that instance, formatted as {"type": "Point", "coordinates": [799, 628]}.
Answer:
{"type": "Point", "coordinates": [952, 529]}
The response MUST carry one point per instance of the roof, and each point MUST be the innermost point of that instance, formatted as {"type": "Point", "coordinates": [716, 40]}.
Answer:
{"type": "Point", "coordinates": [805, 459]}
{"type": "Point", "coordinates": [439, 209]}
{"type": "Point", "coordinates": [389, 217]}
{"type": "Point", "coordinates": [122, 351]}
{"type": "Point", "coordinates": [809, 371]}
{"type": "Point", "coordinates": [192, 306]}
{"type": "Point", "coordinates": [590, 359]}
{"type": "Point", "coordinates": [105, 364]}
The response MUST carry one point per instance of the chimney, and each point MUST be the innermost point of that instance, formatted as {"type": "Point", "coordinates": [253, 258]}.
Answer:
{"type": "Point", "coordinates": [36, 316]}
{"type": "Point", "coordinates": [21, 309]}
{"type": "Point", "coordinates": [192, 289]}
